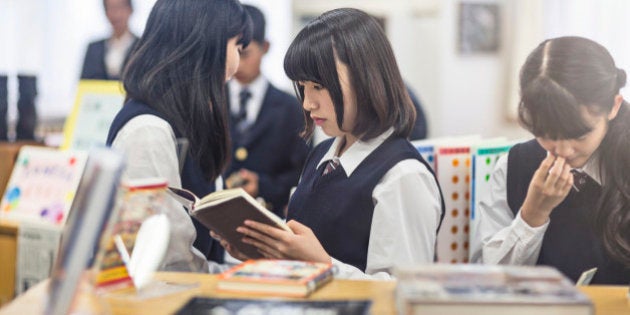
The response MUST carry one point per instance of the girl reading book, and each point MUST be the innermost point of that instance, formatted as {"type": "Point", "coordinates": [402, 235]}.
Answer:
{"type": "Point", "coordinates": [366, 199]}
{"type": "Point", "coordinates": [175, 84]}
{"type": "Point", "coordinates": [563, 199]}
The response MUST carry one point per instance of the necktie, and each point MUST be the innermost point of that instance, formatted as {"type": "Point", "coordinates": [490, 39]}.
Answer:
{"type": "Point", "coordinates": [331, 166]}
{"type": "Point", "coordinates": [580, 179]}
{"type": "Point", "coordinates": [240, 119]}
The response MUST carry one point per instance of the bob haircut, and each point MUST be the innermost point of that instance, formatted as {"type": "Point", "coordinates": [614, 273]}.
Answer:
{"type": "Point", "coordinates": [357, 40]}
{"type": "Point", "coordinates": [559, 77]}
{"type": "Point", "coordinates": [178, 68]}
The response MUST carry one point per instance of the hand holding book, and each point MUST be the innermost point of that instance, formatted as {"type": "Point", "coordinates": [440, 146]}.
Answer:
{"type": "Point", "coordinates": [271, 242]}
{"type": "Point", "coordinates": [223, 211]}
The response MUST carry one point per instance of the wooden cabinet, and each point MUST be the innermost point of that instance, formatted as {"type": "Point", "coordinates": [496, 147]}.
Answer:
{"type": "Point", "coordinates": [8, 250]}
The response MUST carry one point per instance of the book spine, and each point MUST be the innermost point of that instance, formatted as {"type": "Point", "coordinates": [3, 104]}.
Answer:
{"type": "Point", "coordinates": [318, 281]}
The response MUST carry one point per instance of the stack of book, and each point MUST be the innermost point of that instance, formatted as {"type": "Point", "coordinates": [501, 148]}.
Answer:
{"type": "Point", "coordinates": [276, 277]}
{"type": "Point", "coordinates": [488, 290]}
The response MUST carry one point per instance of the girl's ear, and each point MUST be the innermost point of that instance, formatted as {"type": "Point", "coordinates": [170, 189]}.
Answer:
{"type": "Point", "coordinates": [615, 109]}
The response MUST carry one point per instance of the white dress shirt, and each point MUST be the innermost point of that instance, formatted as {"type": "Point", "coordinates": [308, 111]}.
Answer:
{"type": "Point", "coordinates": [499, 236]}
{"type": "Point", "coordinates": [257, 88]}
{"type": "Point", "coordinates": [406, 215]}
{"type": "Point", "coordinates": [116, 52]}
{"type": "Point", "coordinates": [150, 147]}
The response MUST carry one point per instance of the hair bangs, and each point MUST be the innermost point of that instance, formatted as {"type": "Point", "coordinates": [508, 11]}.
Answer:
{"type": "Point", "coordinates": [548, 110]}
{"type": "Point", "coordinates": [311, 57]}
{"type": "Point", "coordinates": [310, 54]}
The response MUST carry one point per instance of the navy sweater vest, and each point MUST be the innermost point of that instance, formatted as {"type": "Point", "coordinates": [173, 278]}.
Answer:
{"type": "Point", "coordinates": [570, 242]}
{"type": "Point", "coordinates": [191, 175]}
{"type": "Point", "coordinates": [339, 209]}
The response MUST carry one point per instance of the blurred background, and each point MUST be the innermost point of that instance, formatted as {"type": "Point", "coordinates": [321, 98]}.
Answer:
{"type": "Point", "coordinates": [460, 57]}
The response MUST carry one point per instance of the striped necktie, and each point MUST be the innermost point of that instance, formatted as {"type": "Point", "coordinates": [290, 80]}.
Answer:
{"type": "Point", "coordinates": [241, 117]}
{"type": "Point", "coordinates": [331, 166]}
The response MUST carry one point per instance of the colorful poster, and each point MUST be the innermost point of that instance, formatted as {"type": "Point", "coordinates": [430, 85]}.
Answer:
{"type": "Point", "coordinates": [43, 184]}
{"type": "Point", "coordinates": [453, 172]}
{"type": "Point", "coordinates": [485, 158]}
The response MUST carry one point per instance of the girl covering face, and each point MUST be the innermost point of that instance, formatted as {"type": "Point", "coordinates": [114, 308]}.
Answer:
{"type": "Point", "coordinates": [366, 199]}
{"type": "Point", "coordinates": [562, 198]}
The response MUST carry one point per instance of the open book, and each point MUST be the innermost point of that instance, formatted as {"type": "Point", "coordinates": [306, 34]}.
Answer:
{"type": "Point", "coordinates": [223, 211]}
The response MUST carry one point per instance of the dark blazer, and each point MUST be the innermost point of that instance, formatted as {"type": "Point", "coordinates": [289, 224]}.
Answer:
{"type": "Point", "coordinates": [275, 150]}
{"type": "Point", "coordinates": [419, 131]}
{"type": "Point", "coordinates": [94, 62]}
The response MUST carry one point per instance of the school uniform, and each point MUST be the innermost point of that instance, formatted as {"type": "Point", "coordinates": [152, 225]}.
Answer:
{"type": "Point", "coordinates": [567, 241]}
{"type": "Point", "coordinates": [380, 207]}
{"type": "Point", "coordinates": [149, 141]}
{"type": "Point", "coordinates": [265, 139]}
{"type": "Point", "coordinates": [105, 59]}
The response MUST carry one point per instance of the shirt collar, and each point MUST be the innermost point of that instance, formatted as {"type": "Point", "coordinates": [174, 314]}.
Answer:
{"type": "Point", "coordinates": [591, 168]}
{"type": "Point", "coordinates": [123, 41]}
{"type": "Point", "coordinates": [356, 153]}
{"type": "Point", "coordinates": [258, 88]}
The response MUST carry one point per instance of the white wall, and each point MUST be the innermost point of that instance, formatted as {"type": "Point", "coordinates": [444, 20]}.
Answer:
{"type": "Point", "coordinates": [461, 94]}
{"type": "Point", "coordinates": [278, 16]}
{"type": "Point", "coordinates": [48, 38]}
{"type": "Point", "coordinates": [471, 87]}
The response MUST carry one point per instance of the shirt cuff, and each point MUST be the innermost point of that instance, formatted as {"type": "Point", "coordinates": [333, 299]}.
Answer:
{"type": "Point", "coordinates": [526, 232]}
{"type": "Point", "coordinates": [347, 271]}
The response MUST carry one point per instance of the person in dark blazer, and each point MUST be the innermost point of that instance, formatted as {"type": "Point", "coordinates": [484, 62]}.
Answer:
{"type": "Point", "coordinates": [420, 127]}
{"type": "Point", "coordinates": [268, 153]}
{"type": "Point", "coordinates": [105, 59]}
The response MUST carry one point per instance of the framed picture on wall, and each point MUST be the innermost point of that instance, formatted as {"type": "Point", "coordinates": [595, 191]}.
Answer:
{"type": "Point", "coordinates": [478, 28]}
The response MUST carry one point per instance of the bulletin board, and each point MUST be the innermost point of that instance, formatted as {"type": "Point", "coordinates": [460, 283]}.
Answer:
{"type": "Point", "coordinates": [95, 107]}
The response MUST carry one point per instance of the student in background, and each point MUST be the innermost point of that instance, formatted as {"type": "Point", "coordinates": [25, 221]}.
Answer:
{"type": "Point", "coordinates": [175, 83]}
{"type": "Point", "coordinates": [268, 153]}
{"type": "Point", "coordinates": [563, 199]}
{"type": "Point", "coordinates": [420, 128]}
{"type": "Point", "coordinates": [366, 200]}
{"type": "Point", "coordinates": [106, 58]}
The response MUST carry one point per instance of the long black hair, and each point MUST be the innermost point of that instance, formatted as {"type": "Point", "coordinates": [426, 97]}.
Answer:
{"type": "Point", "coordinates": [178, 68]}
{"type": "Point", "coordinates": [559, 77]}
{"type": "Point", "coordinates": [354, 38]}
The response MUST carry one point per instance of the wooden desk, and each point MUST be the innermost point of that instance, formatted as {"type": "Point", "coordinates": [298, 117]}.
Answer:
{"type": "Point", "coordinates": [608, 300]}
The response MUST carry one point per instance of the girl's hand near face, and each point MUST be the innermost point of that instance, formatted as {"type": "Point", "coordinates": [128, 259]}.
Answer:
{"type": "Point", "coordinates": [550, 184]}
{"type": "Point", "coordinates": [275, 243]}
